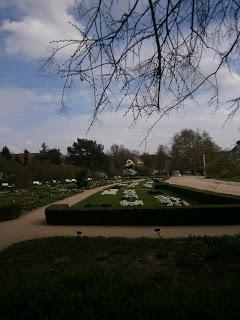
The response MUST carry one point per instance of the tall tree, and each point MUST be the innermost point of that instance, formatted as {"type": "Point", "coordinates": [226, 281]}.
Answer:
{"type": "Point", "coordinates": [54, 156]}
{"type": "Point", "coordinates": [162, 158]}
{"type": "Point", "coordinates": [6, 153]}
{"type": "Point", "coordinates": [188, 148]}
{"type": "Point", "coordinates": [119, 155]}
{"type": "Point", "coordinates": [43, 152]}
{"type": "Point", "coordinates": [25, 157]}
{"type": "Point", "coordinates": [150, 52]}
{"type": "Point", "coordinates": [88, 154]}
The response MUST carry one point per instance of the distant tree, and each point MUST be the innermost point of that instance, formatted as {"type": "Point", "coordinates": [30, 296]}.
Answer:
{"type": "Point", "coordinates": [236, 150]}
{"type": "Point", "coordinates": [25, 157]}
{"type": "Point", "coordinates": [224, 165]}
{"type": "Point", "coordinates": [162, 158]}
{"type": "Point", "coordinates": [188, 148]}
{"type": "Point", "coordinates": [149, 160]}
{"type": "Point", "coordinates": [88, 154]}
{"type": "Point", "coordinates": [17, 159]}
{"type": "Point", "coordinates": [6, 153]}
{"type": "Point", "coordinates": [43, 152]}
{"type": "Point", "coordinates": [54, 156]}
{"type": "Point", "coordinates": [119, 155]}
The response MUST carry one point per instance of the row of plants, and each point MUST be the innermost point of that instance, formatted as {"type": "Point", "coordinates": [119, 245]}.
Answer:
{"type": "Point", "coordinates": [190, 215]}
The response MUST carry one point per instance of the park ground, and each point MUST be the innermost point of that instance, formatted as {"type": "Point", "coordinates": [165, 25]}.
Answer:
{"type": "Point", "coordinates": [32, 225]}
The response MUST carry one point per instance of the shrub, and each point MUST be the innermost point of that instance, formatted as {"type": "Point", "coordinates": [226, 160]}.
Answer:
{"type": "Point", "coordinates": [9, 212]}
{"type": "Point", "coordinates": [197, 215]}
{"type": "Point", "coordinates": [81, 178]}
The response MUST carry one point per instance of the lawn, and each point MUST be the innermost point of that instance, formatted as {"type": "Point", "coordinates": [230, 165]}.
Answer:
{"type": "Point", "coordinates": [116, 278]}
{"type": "Point", "coordinates": [35, 196]}
{"type": "Point", "coordinates": [31, 197]}
{"type": "Point", "coordinates": [98, 199]}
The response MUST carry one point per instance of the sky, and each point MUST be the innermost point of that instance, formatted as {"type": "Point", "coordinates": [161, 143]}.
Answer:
{"type": "Point", "coordinates": [29, 103]}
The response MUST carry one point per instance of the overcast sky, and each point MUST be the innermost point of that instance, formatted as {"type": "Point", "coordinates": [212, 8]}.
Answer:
{"type": "Point", "coordinates": [29, 104]}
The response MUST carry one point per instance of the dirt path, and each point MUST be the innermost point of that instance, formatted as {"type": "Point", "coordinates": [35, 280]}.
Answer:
{"type": "Point", "coordinates": [228, 187]}
{"type": "Point", "coordinates": [32, 225]}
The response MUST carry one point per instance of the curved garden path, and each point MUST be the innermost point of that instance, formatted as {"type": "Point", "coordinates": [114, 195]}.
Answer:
{"type": "Point", "coordinates": [198, 182]}
{"type": "Point", "coordinates": [32, 225]}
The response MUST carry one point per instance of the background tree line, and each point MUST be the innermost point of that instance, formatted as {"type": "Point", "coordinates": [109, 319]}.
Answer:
{"type": "Point", "coordinates": [185, 154]}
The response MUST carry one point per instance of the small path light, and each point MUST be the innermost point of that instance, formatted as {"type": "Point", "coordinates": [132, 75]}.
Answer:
{"type": "Point", "coordinates": [158, 231]}
{"type": "Point", "coordinates": [79, 233]}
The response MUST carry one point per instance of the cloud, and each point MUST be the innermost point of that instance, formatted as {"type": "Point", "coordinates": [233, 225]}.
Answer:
{"type": "Point", "coordinates": [21, 102]}
{"type": "Point", "coordinates": [29, 120]}
{"type": "Point", "coordinates": [39, 22]}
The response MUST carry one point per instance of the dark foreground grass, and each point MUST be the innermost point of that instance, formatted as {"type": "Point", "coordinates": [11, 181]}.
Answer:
{"type": "Point", "coordinates": [98, 278]}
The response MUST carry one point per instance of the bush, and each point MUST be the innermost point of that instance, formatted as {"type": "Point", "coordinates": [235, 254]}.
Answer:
{"type": "Point", "coordinates": [81, 178]}
{"type": "Point", "coordinates": [198, 215]}
{"type": "Point", "coordinates": [9, 212]}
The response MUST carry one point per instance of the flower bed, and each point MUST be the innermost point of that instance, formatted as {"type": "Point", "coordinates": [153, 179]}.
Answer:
{"type": "Point", "coordinates": [129, 194]}
{"type": "Point", "coordinates": [125, 203]}
{"type": "Point", "coordinates": [171, 201]}
{"type": "Point", "coordinates": [112, 192]}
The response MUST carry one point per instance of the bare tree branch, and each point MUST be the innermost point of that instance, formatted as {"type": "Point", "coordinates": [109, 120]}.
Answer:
{"type": "Point", "coordinates": [149, 56]}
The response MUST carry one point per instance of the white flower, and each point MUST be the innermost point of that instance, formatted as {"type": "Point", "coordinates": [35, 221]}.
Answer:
{"type": "Point", "coordinates": [125, 203]}
{"type": "Point", "coordinates": [171, 201]}
{"type": "Point", "coordinates": [123, 184]}
{"type": "Point", "coordinates": [148, 185]}
{"type": "Point", "coordinates": [130, 194]}
{"type": "Point", "coordinates": [112, 192]}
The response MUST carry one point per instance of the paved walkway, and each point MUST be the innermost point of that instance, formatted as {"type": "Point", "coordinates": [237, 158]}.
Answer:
{"type": "Point", "coordinates": [198, 182]}
{"type": "Point", "coordinates": [32, 225]}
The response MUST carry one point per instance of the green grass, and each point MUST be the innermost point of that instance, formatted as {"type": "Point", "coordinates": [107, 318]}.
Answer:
{"type": "Point", "coordinates": [31, 197]}
{"type": "Point", "coordinates": [97, 199]}
{"type": "Point", "coordinates": [36, 196]}
{"type": "Point", "coordinates": [115, 278]}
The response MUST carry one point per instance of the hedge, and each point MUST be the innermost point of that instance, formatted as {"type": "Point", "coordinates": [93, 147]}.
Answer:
{"type": "Point", "coordinates": [196, 215]}
{"type": "Point", "coordinates": [9, 212]}
{"type": "Point", "coordinates": [205, 197]}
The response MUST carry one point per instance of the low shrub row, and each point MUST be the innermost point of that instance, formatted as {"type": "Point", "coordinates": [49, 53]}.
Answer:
{"type": "Point", "coordinates": [205, 197]}
{"type": "Point", "coordinates": [9, 212]}
{"type": "Point", "coordinates": [196, 215]}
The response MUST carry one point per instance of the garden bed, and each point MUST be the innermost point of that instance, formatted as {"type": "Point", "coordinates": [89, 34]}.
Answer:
{"type": "Point", "coordinates": [162, 207]}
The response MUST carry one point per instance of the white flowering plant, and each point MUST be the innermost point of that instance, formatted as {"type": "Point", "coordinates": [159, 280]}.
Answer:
{"type": "Point", "coordinates": [171, 201]}
{"type": "Point", "coordinates": [111, 192]}
{"type": "Point", "coordinates": [148, 184]}
{"type": "Point", "coordinates": [135, 203]}
{"type": "Point", "coordinates": [129, 194]}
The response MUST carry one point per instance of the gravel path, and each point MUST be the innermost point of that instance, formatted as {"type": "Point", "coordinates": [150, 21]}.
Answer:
{"type": "Point", "coordinates": [32, 225]}
{"type": "Point", "coordinates": [228, 187]}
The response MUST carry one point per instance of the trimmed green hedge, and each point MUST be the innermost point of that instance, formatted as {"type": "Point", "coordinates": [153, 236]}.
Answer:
{"type": "Point", "coordinates": [196, 215]}
{"type": "Point", "coordinates": [9, 212]}
{"type": "Point", "coordinates": [205, 197]}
